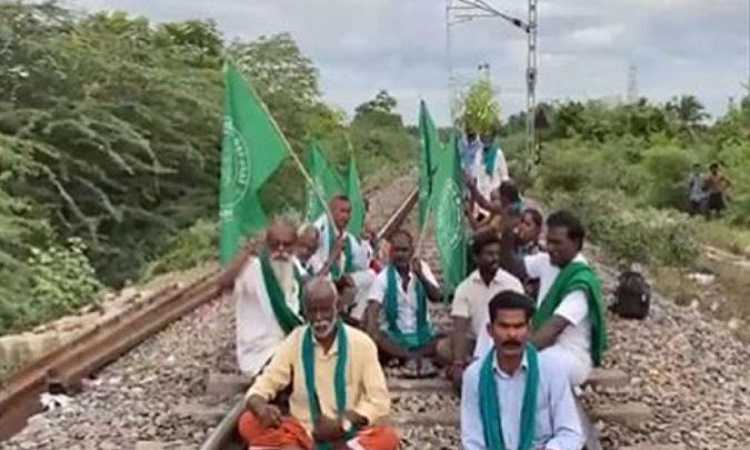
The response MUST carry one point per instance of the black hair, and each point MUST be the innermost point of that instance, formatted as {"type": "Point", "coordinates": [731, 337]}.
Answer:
{"type": "Point", "coordinates": [482, 239]}
{"type": "Point", "coordinates": [714, 166]}
{"type": "Point", "coordinates": [569, 221]}
{"type": "Point", "coordinates": [403, 233]}
{"type": "Point", "coordinates": [509, 191]}
{"type": "Point", "coordinates": [511, 300]}
{"type": "Point", "coordinates": [339, 197]}
{"type": "Point", "coordinates": [536, 216]}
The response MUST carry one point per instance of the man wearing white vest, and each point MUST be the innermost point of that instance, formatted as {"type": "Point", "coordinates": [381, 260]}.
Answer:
{"type": "Point", "coordinates": [266, 295]}
{"type": "Point", "coordinates": [490, 169]}
{"type": "Point", "coordinates": [349, 267]}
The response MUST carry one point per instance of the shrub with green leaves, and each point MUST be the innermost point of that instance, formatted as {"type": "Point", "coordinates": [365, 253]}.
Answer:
{"type": "Point", "coordinates": [188, 248]}
{"type": "Point", "coordinates": [633, 234]}
{"type": "Point", "coordinates": [479, 108]}
{"type": "Point", "coordinates": [62, 280]}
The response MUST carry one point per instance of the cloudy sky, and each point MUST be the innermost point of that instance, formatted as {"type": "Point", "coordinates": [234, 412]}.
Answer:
{"type": "Point", "coordinates": [586, 46]}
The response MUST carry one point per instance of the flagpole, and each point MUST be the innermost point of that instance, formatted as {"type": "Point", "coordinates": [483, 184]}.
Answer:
{"type": "Point", "coordinates": [423, 230]}
{"type": "Point", "coordinates": [295, 157]}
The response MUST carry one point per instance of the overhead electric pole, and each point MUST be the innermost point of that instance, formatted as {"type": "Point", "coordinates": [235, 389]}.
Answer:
{"type": "Point", "coordinates": [532, 145]}
{"type": "Point", "coordinates": [632, 96]}
{"type": "Point", "coordinates": [474, 9]}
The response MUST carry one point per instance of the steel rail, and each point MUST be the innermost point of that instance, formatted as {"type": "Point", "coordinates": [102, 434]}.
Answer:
{"type": "Point", "coordinates": [223, 434]}
{"type": "Point", "coordinates": [94, 349]}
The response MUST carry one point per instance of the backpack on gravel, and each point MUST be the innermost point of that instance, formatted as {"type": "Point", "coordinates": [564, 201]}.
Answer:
{"type": "Point", "coordinates": [632, 296]}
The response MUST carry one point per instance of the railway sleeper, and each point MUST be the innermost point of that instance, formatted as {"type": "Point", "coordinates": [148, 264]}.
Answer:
{"type": "Point", "coordinates": [226, 385]}
{"type": "Point", "coordinates": [628, 414]}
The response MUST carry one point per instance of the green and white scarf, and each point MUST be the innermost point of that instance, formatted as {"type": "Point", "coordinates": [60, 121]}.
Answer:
{"type": "Point", "coordinates": [336, 272]}
{"type": "Point", "coordinates": [489, 406]}
{"type": "Point", "coordinates": [287, 319]}
{"type": "Point", "coordinates": [390, 304]}
{"type": "Point", "coordinates": [577, 276]}
{"type": "Point", "coordinates": [339, 378]}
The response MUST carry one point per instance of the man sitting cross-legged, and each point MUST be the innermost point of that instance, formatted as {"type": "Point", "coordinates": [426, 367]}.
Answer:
{"type": "Point", "coordinates": [341, 256]}
{"type": "Point", "coordinates": [570, 320]}
{"type": "Point", "coordinates": [469, 309]}
{"type": "Point", "coordinates": [397, 315]}
{"type": "Point", "coordinates": [513, 397]}
{"type": "Point", "coordinates": [266, 294]}
{"type": "Point", "coordinates": [339, 393]}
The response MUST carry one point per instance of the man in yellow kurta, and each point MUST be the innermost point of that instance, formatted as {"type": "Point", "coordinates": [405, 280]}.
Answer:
{"type": "Point", "coordinates": [339, 392]}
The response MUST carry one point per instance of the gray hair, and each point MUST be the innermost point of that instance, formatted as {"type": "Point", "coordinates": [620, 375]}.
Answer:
{"type": "Point", "coordinates": [320, 284]}
{"type": "Point", "coordinates": [305, 227]}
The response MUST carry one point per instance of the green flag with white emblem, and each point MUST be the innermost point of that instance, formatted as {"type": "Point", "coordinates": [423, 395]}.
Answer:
{"type": "Point", "coordinates": [354, 192]}
{"type": "Point", "coordinates": [446, 204]}
{"type": "Point", "coordinates": [429, 152]}
{"type": "Point", "coordinates": [328, 182]}
{"type": "Point", "coordinates": [252, 150]}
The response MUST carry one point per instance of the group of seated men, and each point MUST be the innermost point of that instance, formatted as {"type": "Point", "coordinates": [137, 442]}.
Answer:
{"type": "Point", "coordinates": [315, 319]}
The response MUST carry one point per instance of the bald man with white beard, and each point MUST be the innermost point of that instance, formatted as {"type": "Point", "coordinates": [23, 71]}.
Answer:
{"type": "Point", "coordinates": [266, 294]}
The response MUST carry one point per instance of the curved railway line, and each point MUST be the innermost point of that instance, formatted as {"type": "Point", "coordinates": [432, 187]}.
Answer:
{"type": "Point", "coordinates": [426, 411]}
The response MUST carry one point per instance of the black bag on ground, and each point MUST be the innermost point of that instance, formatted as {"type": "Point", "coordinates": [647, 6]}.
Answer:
{"type": "Point", "coordinates": [632, 296]}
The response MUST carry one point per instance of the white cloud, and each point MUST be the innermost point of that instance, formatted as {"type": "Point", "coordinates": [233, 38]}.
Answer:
{"type": "Point", "coordinates": [361, 46]}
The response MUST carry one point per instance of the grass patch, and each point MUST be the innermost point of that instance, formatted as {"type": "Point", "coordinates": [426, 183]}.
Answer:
{"type": "Point", "coordinates": [724, 236]}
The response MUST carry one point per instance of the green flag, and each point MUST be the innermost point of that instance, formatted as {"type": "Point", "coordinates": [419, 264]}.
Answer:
{"type": "Point", "coordinates": [252, 150]}
{"type": "Point", "coordinates": [354, 192]}
{"type": "Point", "coordinates": [428, 159]}
{"type": "Point", "coordinates": [449, 223]}
{"type": "Point", "coordinates": [326, 179]}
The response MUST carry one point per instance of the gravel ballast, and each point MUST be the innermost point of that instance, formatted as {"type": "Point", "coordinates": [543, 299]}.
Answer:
{"type": "Point", "coordinates": [687, 368]}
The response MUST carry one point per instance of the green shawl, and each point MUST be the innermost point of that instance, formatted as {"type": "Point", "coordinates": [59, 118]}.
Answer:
{"type": "Point", "coordinates": [336, 266]}
{"type": "Point", "coordinates": [489, 406]}
{"type": "Point", "coordinates": [339, 381]}
{"type": "Point", "coordinates": [489, 158]}
{"type": "Point", "coordinates": [573, 277]}
{"type": "Point", "coordinates": [390, 304]}
{"type": "Point", "coordinates": [286, 318]}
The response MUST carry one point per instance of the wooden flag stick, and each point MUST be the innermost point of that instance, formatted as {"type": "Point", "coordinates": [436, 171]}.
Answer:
{"type": "Point", "coordinates": [295, 157]}
{"type": "Point", "coordinates": [423, 230]}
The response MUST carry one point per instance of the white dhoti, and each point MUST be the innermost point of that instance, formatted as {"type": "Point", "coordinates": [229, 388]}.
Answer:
{"type": "Point", "coordinates": [363, 280]}
{"type": "Point", "coordinates": [362, 275]}
{"type": "Point", "coordinates": [576, 368]}
{"type": "Point", "coordinates": [258, 331]}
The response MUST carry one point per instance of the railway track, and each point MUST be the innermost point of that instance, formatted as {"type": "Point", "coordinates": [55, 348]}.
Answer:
{"type": "Point", "coordinates": [425, 411]}
{"type": "Point", "coordinates": [68, 365]}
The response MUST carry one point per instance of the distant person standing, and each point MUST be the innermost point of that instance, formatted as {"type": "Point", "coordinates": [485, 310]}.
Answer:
{"type": "Point", "coordinates": [490, 168]}
{"type": "Point", "coordinates": [468, 148]}
{"type": "Point", "coordinates": [716, 185]}
{"type": "Point", "coordinates": [696, 191]}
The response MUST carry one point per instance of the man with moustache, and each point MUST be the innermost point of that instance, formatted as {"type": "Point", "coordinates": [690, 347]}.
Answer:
{"type": "Point", "coordinates": [349, 268]}
{"type": "Point", "coordinates": [570, 319]}
{"type": "Point", "coordinates": [469, 308]}
{"type": "Point", "coordinates": [512, 398]}
{"type": "Point", "coordinates": [397, 316]}
{"type": "Point", "coordinates": [339, 392]}
{"type": "Point", "coordinates": [266, 295]}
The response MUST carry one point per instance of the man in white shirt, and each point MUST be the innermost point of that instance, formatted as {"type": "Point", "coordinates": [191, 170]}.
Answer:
{"type": "Point", "coordinates": [513, 397]}
{"type": "Point", "coordinates": [349, 267]}
{"type": "Point", "coordinates": [570, 318]}
{"type": "Point", "coordinates": [266, 295]}
{"type": "Point", "coordinates": [490, 169]}
{"type": "Point", "coordinates": [469, 308]}
{"type": "Point", "coordinates": [398, 317]}
{"type": "Point", "coordinates": [308, 238]}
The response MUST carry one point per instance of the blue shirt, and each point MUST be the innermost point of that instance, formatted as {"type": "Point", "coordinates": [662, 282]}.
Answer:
{"type": "Point", "coordinates": [468, 152]}
{"type": "Point", "coordinates": [557, 424]}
